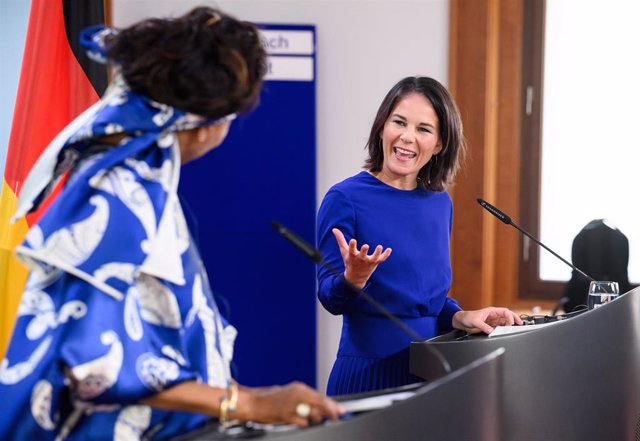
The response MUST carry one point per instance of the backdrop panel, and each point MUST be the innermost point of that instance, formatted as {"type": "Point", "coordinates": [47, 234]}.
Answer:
{"type": "Point", "coordinates": [264, 171]}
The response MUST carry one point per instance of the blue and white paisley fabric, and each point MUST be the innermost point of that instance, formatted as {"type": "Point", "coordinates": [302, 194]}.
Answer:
{"type": "Point", "coordinates": [117, 306]}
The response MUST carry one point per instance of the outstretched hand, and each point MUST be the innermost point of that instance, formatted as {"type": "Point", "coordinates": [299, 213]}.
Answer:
{"type": "Point", "coordinates": [358, 264]}
{"type": "Point", "coordinates": [485, 319]}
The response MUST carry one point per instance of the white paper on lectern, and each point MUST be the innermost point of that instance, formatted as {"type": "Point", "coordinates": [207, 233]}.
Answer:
{"type": "Point", "coordinates": [376, 402]}
{"type": "Point", "coordinates": [350, 406]}
{"type": "Point", "coordinates": [506, 330]}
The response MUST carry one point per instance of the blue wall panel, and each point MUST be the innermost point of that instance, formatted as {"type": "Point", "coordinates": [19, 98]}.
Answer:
{"type": "Point", "coordinates": [264, 171]}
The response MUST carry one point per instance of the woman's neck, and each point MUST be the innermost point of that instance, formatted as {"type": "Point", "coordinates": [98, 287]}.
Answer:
{"type": "Point", "coordinates": [396, 181]}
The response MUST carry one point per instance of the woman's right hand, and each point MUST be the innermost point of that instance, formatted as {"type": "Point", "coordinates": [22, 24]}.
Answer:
{"type": "Point", "coordinates": [276, 404]}
{"type": "Point", "coordinates": [358, 265]}
{"type": "Point", "coordinates": [280, 404]}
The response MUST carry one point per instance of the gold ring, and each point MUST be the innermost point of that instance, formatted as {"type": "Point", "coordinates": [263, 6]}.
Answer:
{"type": "Point", "coordinates": [303, 410]}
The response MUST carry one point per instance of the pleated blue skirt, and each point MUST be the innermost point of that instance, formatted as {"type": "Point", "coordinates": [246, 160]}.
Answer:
{"type": "Point", "coordinates": [374, 353]}
{"type": "Point", "coordinates": [352, 375]}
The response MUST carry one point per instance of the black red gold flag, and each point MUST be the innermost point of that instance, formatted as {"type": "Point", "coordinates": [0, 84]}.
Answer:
{"type": "Point", "coordinates": [56, 84]}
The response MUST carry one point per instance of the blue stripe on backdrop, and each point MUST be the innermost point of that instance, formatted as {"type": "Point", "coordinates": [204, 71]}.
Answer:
{"type": "Point", "coordinates": [264, 171]}
{"type": "Point", "coordinates": [14, 16]}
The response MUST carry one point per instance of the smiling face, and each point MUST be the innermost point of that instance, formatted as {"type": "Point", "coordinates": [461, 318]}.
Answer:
{"type": "Point", "coordinates": [409, 140]}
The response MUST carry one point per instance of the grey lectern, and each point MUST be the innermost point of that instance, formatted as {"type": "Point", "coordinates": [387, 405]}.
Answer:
{"type": "Point", "coordinates": [577, 379]}
{"type": "Point", "coordinates": [465, 404]}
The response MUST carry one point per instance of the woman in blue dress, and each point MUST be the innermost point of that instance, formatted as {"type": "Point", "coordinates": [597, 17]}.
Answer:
{"type": "Point", "coordinates": [400, 204]}
{"type": "Point", "coordinates": [118, 336]}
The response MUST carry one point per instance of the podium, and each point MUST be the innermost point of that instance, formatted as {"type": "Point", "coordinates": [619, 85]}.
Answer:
{"type": "Point", "coordinates": [578, 379]}
{"type": "Point", "coordinates": [464, 404]}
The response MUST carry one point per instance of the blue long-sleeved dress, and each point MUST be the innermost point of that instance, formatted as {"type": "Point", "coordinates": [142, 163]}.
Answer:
{"type": "Point", "coordinates": [412, 284]}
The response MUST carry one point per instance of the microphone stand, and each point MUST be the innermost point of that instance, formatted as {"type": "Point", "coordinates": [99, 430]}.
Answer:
{"type": "Point", "coordinates": [314, 255]}
{"type": "Point", "coordinates": [507, 220]}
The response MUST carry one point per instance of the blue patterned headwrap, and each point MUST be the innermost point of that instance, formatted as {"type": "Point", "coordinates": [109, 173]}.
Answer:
{"type": "Point", "coordinates": [119, 111]}
{"type": "Point", "coordinates": [142, 171]}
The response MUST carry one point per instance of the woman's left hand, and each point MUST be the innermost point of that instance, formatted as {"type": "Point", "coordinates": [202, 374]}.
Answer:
{"type": "Point", "coordinates": [485, 319]}
{"type": "Point", "coordinates": [358, 263]}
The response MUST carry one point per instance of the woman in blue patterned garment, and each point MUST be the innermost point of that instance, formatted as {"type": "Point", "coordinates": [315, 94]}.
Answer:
{"type": "Point", "coordinates": [117, 335]}
{"type": "Point", "coordinates": [414, 148]}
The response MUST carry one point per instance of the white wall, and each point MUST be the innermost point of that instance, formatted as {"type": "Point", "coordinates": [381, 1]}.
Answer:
{"type": "Point", "coordinates": [363, 48]}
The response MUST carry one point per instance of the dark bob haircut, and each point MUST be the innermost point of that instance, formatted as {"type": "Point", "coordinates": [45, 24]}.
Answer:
{"type": "Point", "coordinates": [204, 62]}
{"type": "Point", "coordinates": [439, 172]}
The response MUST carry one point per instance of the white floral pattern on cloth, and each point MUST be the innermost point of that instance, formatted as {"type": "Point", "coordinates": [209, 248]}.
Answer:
{"type": "Point", "coordinates": [41, 404]}
{"type": "Point", "coordinates": [117, 305]}
{"type": "Point", "coordinates": [122, 183]}
{"type": "Point", "coordinates": [18, 371]}
{"type": "Point", "coordinates": [217, 369]}
{"type": "Point", "coordinates": [156, 372]}
{"type": "Point", "coordinates": [39, 305]}
{"type": "Point", "coordinates": [158, 304]}
{"type": "Point", "coordinates": [74, 244]}
{"type": "Point", "coordinates": [132, 422]}
{"type": "Point", "coordinates": [99, 374]}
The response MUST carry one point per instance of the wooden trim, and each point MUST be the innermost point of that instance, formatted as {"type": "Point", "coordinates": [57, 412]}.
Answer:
{"type": "Point", "coordinates": [511, 107]}
{"type": "Point", "coordinates": [108, 13]}
{"type": "Point", "coordinates": [531, 287]}
{"type": "Point", "coordinates": [489, 189]}
{"type": "Point", "coordinates": [453, 45]}
{"type": "Point", "coordinates": [468, 54]}
{"type": "Point", "coordinates": [485, 73]}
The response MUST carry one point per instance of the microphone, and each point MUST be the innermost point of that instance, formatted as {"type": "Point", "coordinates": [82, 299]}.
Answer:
{"type": "Point", "coordinates": [507, 220]}
{"type": "Point", "coordinates": [298, 242]}
{"type": "Point", "coordinates": [313, 254]}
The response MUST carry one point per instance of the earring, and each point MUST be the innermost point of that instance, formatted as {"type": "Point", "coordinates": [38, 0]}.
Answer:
{"type": "Point", "coordinates": [433, 162]}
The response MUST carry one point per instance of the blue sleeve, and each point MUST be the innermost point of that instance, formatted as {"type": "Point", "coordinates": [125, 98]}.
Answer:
{"type": "Point", "coordinates": [450, 306]}
{"type": "Point", "coordinates": [68, 334]}
{"type": "Point", "coordinates": [115, 351]}
{"type": "Point", "coordinates": [336, 211]}
{"type": "Point", "coordinates": [446, 315]}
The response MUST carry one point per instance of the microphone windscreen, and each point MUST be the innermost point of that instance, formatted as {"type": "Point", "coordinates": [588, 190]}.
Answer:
{"type": "Point", "coordinates": [493, 210]}
{"type": "Point", "coordinates": [297, 241]}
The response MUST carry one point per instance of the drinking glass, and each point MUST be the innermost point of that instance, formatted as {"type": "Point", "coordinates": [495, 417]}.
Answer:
{"type": "Point", "coordinates": [601, 293]}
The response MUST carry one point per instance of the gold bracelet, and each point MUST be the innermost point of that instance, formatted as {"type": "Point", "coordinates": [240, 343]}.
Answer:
{"type": "Point", "coordinates": [233, 396]}
{"type": "Point", "coordinates": [228, 403]}
{"type": "Point", "coordinates": [224, 410]}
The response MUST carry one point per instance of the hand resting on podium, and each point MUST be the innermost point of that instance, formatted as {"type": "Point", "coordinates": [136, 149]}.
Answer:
{"type": "Point", "coordinates": [485, 319]}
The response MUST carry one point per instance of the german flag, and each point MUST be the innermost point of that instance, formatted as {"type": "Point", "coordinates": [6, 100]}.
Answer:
{"type": "Point", "coordinates": [57, 82]}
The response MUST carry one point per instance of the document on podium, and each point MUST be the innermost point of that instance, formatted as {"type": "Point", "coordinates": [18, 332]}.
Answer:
{"type": "Point", "coordinates": [515, 329]}
{"type": "Point", "coordinates": [352, 406]}
{"type": "Point", "coordinates": [375, 402]}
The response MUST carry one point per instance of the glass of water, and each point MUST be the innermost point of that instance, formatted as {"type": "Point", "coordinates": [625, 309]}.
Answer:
{"type": "Point", "coordinates": [601, 293]}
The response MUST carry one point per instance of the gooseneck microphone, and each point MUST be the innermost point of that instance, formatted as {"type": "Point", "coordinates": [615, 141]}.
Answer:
{"type": "Point", "coordinates": [507, 220]}
{"type": "Point", "coordinates": [314, 255]}
{"type": "Point", "coordinates": [300, 244]}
